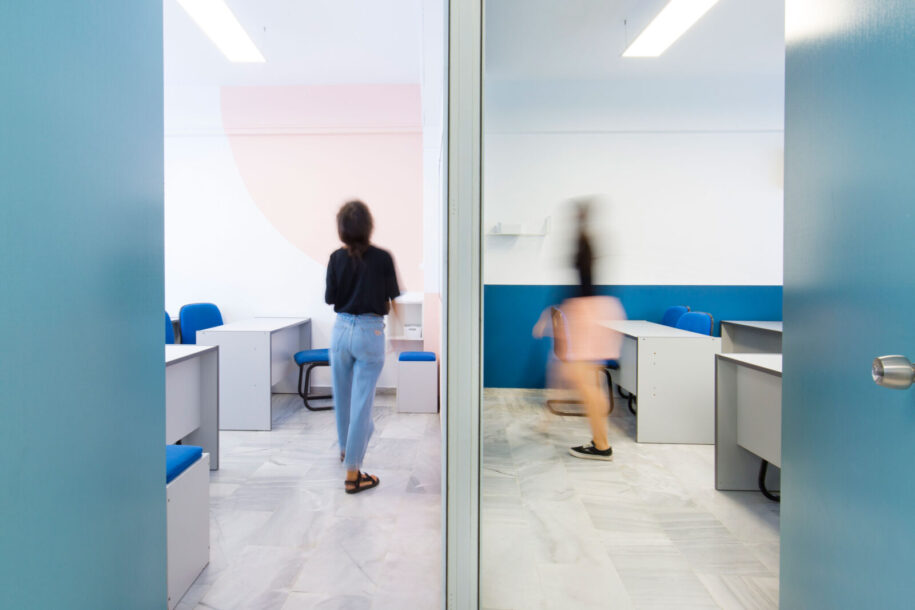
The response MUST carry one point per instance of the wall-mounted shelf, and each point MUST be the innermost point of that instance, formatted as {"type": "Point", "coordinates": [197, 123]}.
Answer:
{"type": "Point", "coordinates": [509, 229]}
{"type": "Point", "coordinates": [410, 306]}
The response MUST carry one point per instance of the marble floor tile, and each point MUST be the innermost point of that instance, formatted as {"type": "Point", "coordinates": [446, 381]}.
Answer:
{"type": "Point", "coordinates": [284, 535]}
{"type": "Point", "coordinates": [647, 530]}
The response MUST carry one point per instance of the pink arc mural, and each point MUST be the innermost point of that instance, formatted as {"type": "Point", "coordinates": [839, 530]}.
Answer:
{"type": "Point", "coordinates": [304, 150]}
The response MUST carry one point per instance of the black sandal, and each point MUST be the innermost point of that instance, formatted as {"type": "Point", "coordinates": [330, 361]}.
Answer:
{"type": "Point", "coordinates": [361, 483]}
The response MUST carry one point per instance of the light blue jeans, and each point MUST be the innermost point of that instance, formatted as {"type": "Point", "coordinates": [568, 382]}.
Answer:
{"type": "Point", "coordinates": [356, 360]}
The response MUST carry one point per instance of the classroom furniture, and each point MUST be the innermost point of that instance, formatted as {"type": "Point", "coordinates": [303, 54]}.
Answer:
{"type": "Point", "coordinates": [560, 337]}
{"type": "Point", "coordinates": [169, 330]}
{"type": "Point", "coordinates": [751, 337]}
{"type": "Point", "coordinates": [673, 314]}
{"type": "Point", "coordinates": [255, 362]}
{"type": "Point", "coordinates": [697, 322]}
{"type": "Point", "coordinates": [417, 383]}
{"type": "Point", "coordinates": [192, 397]}
{"type": "Point", "coordinates": [196, 317]}
{"type": "Point", "coordinates": [187, 515]}
{"type": "Point", "coordinates": [748, 421]}
{"type": "Point", "coordinates": [306, 360]}
{"type": "Point", "coordinates": [672, 372]}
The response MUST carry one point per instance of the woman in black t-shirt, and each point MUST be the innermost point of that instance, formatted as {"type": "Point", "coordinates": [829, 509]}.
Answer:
{"type": "Point", "coordinates": [361, 285]}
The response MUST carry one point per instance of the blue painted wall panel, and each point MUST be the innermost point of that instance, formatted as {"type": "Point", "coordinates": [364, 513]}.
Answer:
{"type": "Point", "coordinates": [512, 358]}
{"type": "Point", "coordinates": [82, 457]}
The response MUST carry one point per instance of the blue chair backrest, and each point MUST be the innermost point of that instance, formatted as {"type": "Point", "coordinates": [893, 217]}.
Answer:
{"type": "Point", "coordinates": [197, 316]}
{"type": "Point", "coordinates": [673, 315]}
{"type": "Point", "coordinates": [169, 330]}
{"type": "Point", "coordinates": [697, 322]}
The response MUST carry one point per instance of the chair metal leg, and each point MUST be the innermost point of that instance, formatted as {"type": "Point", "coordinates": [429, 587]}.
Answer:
{"type": "Point", "coordinates": [303, 389]}
{"type": "Point", "coordinates": [633, 400]}
{"type": "Point", "coordinates": [763, 468]}
{"type": "Point", "coordinates": [555, 411]}
{"type": "Point", "coordinates": [609, 389]}
{"type": "Point", "coordinates": [550, 404]}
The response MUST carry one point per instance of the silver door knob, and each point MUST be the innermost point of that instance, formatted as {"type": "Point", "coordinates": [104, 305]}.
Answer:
{"type": "Point", "coordinates": [894, 372]}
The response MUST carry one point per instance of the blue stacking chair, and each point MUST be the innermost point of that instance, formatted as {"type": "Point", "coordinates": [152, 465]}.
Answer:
{"type": "Point", "coordinates": [197, 316]}
{"type": "Point", "coordinates": [306, 360]}
{"type": "Point", "coordinates": [697, 322]}
{"type": "Point", "coordinates": [169, 329]}
{"type": "Point", "coordinates": [560, 336]}
{"type": "Point", "coordinates": [673, 315]}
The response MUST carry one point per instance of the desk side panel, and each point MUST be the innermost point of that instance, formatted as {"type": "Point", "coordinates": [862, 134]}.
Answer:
{"type": "Point", "coordinates": [207, 435]}
{"type": "Point", "coordinates": [759, 413]}
{"type": "Point", "coordinates": [182, 399]}
{"type": "Point", "coordinates": [736, 469]}
{"type": "Point", "coordinates": [284, 373]}
{"type": "Point", "coordinates": [628, 373]}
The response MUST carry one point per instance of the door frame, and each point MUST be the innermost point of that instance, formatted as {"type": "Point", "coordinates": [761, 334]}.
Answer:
{"type": "Point", "coordinates": [463, 294]}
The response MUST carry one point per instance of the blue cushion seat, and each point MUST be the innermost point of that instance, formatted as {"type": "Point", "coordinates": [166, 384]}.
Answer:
{"type": "Point", "coordinates": [178, 458]}
{"type": "Point", "coordinates": [169, 330]}
{"type": "Point", "coordinates": [310, 356]}
{"type": "Point", "coordinates": [610, 364]}
{"type": "Point", "coordinates": [697, 322]}
{"type": "Point", "coordinates": [417, 356]}
{"type": "Point", "coordinates": [197, 316]}
{"type": "Point", "coordinates": [673, 315]}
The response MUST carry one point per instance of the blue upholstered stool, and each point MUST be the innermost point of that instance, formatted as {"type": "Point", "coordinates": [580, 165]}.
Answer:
{"type": "Point", "coordinates": [417, 382]}
{"type": "Point", "coordinates": [187, 517]}
{"type": "Point", "coordinates": [306, 361]}
{"type": "Point", "coordinates": [417, 357]}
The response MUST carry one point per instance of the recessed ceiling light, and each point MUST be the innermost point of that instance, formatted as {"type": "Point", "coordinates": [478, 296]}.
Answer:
{"type": "Point", "coordinates": [671, 23]}
{"type": "Point", "coordinates": [219, 23]}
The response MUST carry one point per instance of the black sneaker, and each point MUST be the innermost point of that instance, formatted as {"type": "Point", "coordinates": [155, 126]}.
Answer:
{"type": "Point", "coordinates": [590, 452]}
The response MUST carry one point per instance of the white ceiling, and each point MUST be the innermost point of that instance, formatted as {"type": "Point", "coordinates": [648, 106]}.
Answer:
{"type": "Point", "coordinates": [304, 41]}
{"type": "Point", "coordinates": [375, 41]}
{"type": "Point", "coordinates": [584, 39]}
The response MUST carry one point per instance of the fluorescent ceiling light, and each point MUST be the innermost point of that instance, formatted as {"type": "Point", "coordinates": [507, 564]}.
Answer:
{"type": "Point", "coordinates": [217, 21]}
{"type": "Point", "coordinates": [671, 23]}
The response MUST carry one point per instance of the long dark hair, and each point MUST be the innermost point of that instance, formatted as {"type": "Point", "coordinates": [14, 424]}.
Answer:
{"type": "Point", "coordinates": [354, 225]}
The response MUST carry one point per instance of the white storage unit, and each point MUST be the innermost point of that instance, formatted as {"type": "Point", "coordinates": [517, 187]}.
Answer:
{"type": "Point", "coordinates": [417, 383]}
{"type": "Point", "coordinates": [408, 327]}
{"type": "Point", "coordinates": [188, 527]}
{"type": "Point", "coordinates": [672, 373]}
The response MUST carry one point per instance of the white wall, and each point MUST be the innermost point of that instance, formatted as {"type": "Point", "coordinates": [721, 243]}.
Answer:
{"type": "Point", "coordinates": [219, 245]}
{"type": "Point", "coordinates": [685, 157]}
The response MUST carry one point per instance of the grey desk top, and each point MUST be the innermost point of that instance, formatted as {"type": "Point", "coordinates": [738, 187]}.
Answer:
{"type": "Point", "coordinates": [258, 325]}
{"type": "Point", "coordinates": [177, 353]}
{"type": "Point", "coordinates": [644, 328]}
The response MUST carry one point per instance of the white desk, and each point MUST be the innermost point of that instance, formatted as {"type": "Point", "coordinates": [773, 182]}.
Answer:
{"type": "Point", "coordinates": [192, 397]}
{"type": "Point", "coordinates": [748, 419]}
{"type": "Point", "coordinates": [672, 373]}
{"type": "Point", "coordinates": [255, 360]}
{"type": "Point", "coordinates": [751, 337]}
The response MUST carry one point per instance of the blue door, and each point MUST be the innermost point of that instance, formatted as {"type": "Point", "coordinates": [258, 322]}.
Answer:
{"type": "Point", "coordinates": [848, 479]}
